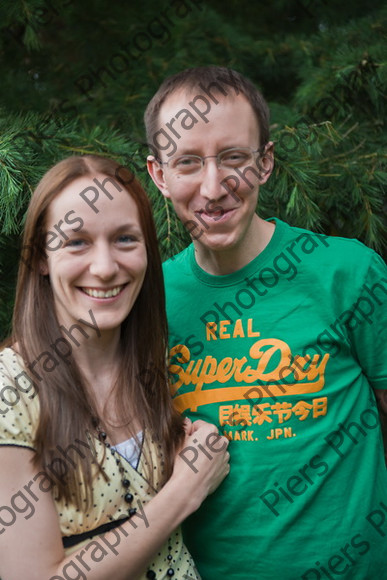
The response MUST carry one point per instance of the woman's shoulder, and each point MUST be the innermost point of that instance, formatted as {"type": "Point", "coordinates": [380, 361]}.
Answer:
{"type": "Point", "coordinates": [19, 406]}
{"type": "Point", "coordinates": [11, 363]}
{"type": "Point", "coordinates": [14, 372]}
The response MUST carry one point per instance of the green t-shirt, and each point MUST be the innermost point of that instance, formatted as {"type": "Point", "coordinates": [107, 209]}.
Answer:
{"type": "Point", "coordinates": [282, 356]}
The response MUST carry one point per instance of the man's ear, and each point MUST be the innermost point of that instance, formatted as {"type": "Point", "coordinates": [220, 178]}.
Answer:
{"type": "Point", "coordinates": [156, 171]}
{"type": "Point", "coordinates": [265, 162]}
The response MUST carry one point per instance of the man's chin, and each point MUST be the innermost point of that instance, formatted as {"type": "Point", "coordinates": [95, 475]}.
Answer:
{"type": "Point", "coordinates": [215, 241]}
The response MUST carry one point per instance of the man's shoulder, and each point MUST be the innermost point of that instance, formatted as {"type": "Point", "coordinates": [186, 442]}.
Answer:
{"type": "Point", "coordinates": [336, 248]}
{"type": "Point", "coordinates": [179, 262]}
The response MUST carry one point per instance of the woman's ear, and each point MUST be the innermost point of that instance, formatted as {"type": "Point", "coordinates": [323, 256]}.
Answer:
{"type": "Point", "coordinates": [156, 171]}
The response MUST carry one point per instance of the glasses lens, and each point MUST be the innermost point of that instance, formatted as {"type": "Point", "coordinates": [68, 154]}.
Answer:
{"type": "Point", "coordinates": [235, 157]}
{"type": "Point", "coordinates": [186, 164]}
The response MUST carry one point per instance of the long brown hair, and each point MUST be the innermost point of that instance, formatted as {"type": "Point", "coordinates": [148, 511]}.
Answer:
{"type": "Point", "coordinates": [66, 409]}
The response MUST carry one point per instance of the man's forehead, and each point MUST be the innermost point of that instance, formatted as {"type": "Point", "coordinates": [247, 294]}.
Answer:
{"type": "Point", "coordinates": [189, 119]}
{"type": "Point", "coordinates": [192, 98]}
{"type": "Point", "coordinates": [190, 108]}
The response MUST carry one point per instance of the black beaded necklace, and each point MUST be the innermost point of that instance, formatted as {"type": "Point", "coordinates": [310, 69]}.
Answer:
{"type": "Point", "coordinates": [128, 497]}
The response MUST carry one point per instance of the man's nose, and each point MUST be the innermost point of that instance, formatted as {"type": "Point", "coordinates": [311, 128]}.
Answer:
{"type": "Point", "coordinates": [211, 177]}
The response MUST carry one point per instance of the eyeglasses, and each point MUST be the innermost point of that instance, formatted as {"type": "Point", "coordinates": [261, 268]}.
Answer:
{"type": "Point", "coordinates": [233, 158]}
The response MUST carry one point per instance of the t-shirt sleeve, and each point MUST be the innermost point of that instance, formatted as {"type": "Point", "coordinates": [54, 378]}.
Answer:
{"type": "Point", "coordinates": [18, 403]}
{"type": "Point", "coordinates": [368, 324]}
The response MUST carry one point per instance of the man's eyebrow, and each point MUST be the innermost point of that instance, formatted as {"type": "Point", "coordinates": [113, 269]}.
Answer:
{"type": "Point", "coordinates": [195, 150]}
{"type": "Point", "coordinates": [186, 151]}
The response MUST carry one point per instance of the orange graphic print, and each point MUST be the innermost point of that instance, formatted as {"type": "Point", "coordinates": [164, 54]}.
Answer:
{"type": "Point", "coordinates": [269, 367]}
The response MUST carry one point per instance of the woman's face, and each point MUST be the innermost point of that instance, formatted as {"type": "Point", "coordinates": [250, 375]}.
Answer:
{"type": "Point", "coordinates": [96, 254]}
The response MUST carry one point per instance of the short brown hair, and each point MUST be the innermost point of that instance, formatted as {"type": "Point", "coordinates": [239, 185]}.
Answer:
{"type": "Point", "coordinates": [205, 78]}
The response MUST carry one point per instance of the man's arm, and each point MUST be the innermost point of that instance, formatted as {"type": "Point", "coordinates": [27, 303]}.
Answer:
{"type": "Point", "coordinates": [381, 400]}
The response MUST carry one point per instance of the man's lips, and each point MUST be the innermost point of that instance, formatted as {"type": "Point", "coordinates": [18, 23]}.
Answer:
{"type": "Point", "coordinates": [220, 214]}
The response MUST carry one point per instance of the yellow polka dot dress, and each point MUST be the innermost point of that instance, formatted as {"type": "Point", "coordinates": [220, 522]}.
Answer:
{"type": "Point", "coordinates": [19, 414]}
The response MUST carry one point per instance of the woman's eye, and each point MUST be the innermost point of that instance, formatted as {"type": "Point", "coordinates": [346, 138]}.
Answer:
{"type": "Point", "coordinates": [75, 243]}
{"type": "Point", "coordinates": [127, 239]}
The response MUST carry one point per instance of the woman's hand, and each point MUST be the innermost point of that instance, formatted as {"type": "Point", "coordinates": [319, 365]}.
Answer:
{"type": "Point", "coordinates": [188, 426]}
{"type": "Point", "coordinates": [202, 462]}
{"type": "Point", "coordinates": [38, 531]}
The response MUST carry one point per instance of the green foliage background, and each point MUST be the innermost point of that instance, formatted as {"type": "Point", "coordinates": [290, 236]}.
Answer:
{"type": "Point", "coordinates": [76, 77]}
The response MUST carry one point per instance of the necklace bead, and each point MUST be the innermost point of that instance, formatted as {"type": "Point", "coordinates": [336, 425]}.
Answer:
{"type": "Point", "coordinates": [128, 497]}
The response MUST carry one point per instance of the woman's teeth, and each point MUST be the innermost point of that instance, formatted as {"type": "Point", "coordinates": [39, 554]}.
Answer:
{"type": "Point", "coordinates": [103, 293]}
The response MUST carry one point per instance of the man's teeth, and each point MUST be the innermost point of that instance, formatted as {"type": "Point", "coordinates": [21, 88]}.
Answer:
{"type": "Point", "coordinates": [103, 293]}
{"type": "Point", "coordinates": [215, 213]}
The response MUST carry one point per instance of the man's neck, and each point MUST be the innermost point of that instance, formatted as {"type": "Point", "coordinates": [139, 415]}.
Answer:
{"type": "Point", "coordinates": [226, 261]}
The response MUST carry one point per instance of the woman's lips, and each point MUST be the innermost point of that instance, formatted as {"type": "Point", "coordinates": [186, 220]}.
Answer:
{"type": "Point", "coordinates": [103, 293]}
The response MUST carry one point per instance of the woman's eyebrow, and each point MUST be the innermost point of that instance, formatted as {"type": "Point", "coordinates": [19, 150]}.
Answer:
{"type": "Point", "coordinates": [66, 229]}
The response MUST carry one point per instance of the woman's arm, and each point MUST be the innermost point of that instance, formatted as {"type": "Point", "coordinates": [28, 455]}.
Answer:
{"type": "Point", "coordinates": [31, 546]}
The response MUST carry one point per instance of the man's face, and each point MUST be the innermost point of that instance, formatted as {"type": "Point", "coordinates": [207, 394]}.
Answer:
{"type": "Point", "coordinates": [216, 205]}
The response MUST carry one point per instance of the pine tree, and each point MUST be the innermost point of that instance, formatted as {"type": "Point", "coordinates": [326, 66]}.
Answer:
{"type": "Point", "coordinates": [76, 79]}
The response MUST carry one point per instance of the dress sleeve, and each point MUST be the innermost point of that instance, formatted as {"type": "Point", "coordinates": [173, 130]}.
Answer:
{"type": "Point", "coordinates": [19, 407]}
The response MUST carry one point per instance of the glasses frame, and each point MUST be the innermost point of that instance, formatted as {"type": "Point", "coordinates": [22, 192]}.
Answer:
{"type": "Point", "coordinates": [260, 150]}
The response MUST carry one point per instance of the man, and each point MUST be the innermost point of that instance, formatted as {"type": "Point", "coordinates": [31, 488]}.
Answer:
{"type": "Point", "coordinates": [276, 337]}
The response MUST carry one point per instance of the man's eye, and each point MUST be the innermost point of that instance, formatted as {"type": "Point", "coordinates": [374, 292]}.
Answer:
{"type": "Point", "coordinates": [234, 157]}
{"type": "Point", "coordinates": [186, 162]}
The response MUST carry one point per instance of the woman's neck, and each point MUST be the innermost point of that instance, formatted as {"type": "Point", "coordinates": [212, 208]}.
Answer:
{"type": "Point", "coordinates": [98, 359]}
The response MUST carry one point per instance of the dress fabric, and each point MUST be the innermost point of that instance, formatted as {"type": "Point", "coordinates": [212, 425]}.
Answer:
{"type": "Point", "coordinates": [19, 415]}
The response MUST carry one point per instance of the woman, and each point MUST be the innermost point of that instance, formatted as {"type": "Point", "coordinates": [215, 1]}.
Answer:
{"type": "Point", "coordinates": [97, 471]}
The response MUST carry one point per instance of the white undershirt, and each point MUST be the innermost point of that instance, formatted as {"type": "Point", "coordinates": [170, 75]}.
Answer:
{"type": "Point", "coordinates": [130, 449]}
